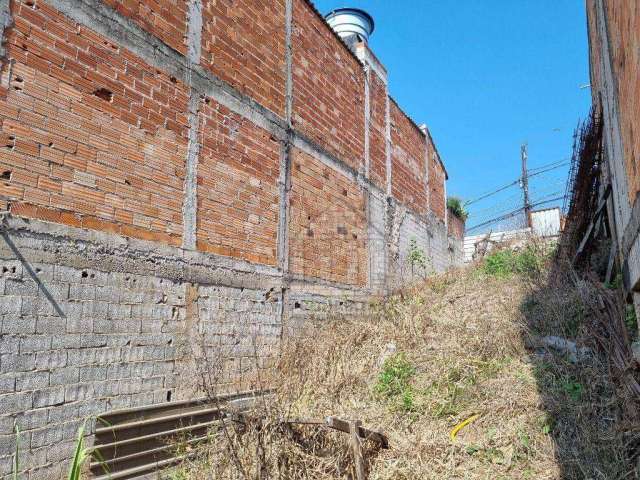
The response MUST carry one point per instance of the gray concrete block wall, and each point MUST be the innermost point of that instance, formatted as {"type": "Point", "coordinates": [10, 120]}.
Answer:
{"type": "Point", "coordinates": [113, 348]}
{"type": "Point", "coordinates": [441, 255]}
{"type": "Point", "coordinates": [429, 237]}
{"type": "Point", "coordinates": [113, 339]}
{"type": "Point", "coordinates": [376, 242]}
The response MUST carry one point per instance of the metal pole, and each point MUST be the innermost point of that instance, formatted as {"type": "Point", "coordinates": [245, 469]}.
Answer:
{"type": "Point", "coordinates": [525, 184]}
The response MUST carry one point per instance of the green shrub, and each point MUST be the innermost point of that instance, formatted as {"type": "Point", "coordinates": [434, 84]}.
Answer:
{"type": "Point", "coordinates": [417, 258]}
{"type": "Point", "coordinates": [506, 262]}
{"type": "Point", "coordinates": [499, 264]}
{"type": "Point", "coordinates": [455, 205]}
{"type": "Point", "coordinates": [394, 382]}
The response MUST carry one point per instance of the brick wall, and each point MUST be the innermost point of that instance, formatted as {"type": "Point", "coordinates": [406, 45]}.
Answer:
{"type": "Point", "coordinates": [377, 131]}
{"type": "Point", "coordinates": [455, 226]}
{"type": "Point", "coordinates": [407, 162]}
{"type": "Point", "coordinates": [93, 136]}
{"type": "Point", "coordinates": [237, 186]}
{"type": "Point", "coordinates": [328, 225]}
{"type": "Point", "coordinates": [166, 19]}
{"type": "Point", "coordinates": [623, 21]}
{"type": "Point", "coordinates": [437, 178]}
{"type": "Point", "coordinates": [158, 199]}
{"type": "Point", "coordinates": [243, 44]}
{"type": "Point", "coordinates": [122, 343]}
{"type": "Point", "coordinates": [328, 88]}
{"type": "Point", "coordinates": [614, 44]}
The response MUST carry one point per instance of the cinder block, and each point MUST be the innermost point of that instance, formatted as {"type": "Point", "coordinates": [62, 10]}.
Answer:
{"type": "Point", "coordinates": [60, 452]}
{"type": "Point", "coordinates": [32, 458]}
{"type": "Point", "coordinates": [48, 397]}
{"type": "Point", "coordinates": [7, 445]}
{"type": "Point", "coordinates": [30, 419]}
{"type": "Point", "coordinates": [32, 381]}
{"type": "Point", "coordinates": [17, 363]}
{"type": "Point", "coordinates": [108, 294]}
{"type": "Point", "coordinates": [15, 402]}
{"type": "Point", "coordinates": [153, 383]}
{"type": "Point", "coordinates": [7, 383]}
{"type": "Point", "coordinates": [62, 413]}
{"type": "Point", "coordinates": [9, 344]}
{"type": "Point", "coordinates": [21, 287]}
{"type": "Point", "coordinates": [79, 319]}
{"type": "Point", "coordinates": [45, 436]}
{"type": "Point", "coordinates": [10, 304]}
{"type": "Point", "coordinates": [50, 360]}
{"type": "Point", "coordinates": [98, 310]}
{"type": "Point", "coordinates": [119, 311]}
{"type": "Point", "coordinates": [6, 466]}
{"type": "Point", "coordinates": [81, 391]}
{"type": "Point", "coordinates": [64, 376]}
{"type": "Point", "coordinates": [80, 292]}
{"type": "Point", "coordinates": [93, 373]}
{"type": "Point", "coordinates": [35, 343]}
{"type": "Point", "coordinates": [81, 357]}
{"type": "Point", "coordinates": [108, 355]}
{"type": "Point", "coordinates": [18, 324]}
{"type": "Point", "coordinates": [119, 370]}
{"type": "Point", "coordinates": [50, 324]}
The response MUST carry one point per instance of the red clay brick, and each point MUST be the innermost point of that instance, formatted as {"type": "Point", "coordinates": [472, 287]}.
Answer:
{"type": "Point", "coordinates": [328, 88]}
{"type": "Point", "coordinates": [408, 182]}
{"type": "Point", "coordinates": [327, 231]}
{"type": "Point", "coordinates": [166, 19]}
{"type": "Point", "coordinates": [243, 44]}
{"type": "Point", "coordinates": [59, 126]}
{"type": "Point", "coordinates": [237, 187]}
{"type": "Point", "coordinates": [437, 178]}
{"type": "Point", "coordinates": [377, 132]}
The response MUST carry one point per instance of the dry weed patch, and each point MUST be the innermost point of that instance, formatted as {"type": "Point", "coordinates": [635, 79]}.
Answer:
{"type": "Point", "coordinates": [463, 345]}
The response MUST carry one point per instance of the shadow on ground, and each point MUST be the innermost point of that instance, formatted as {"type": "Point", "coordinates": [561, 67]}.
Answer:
{"type": "Point", "coordinates": [591, 418]}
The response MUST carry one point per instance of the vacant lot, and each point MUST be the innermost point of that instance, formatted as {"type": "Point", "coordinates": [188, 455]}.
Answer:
{"type": "Point", "coordinates": [471, 344]}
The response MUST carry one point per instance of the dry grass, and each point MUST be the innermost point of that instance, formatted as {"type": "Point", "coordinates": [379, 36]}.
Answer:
{"type": "Point", "coordinates": [460, 344]}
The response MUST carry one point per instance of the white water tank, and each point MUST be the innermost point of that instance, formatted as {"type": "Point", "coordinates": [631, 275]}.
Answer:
{"type": "Point", "coordinates": [347, 22]}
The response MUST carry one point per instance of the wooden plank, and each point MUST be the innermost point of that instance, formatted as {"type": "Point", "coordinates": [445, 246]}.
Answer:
{"type": "Point", "coordinates": [356, 448]}
{"type": "Point", "coordinates": [610, 263]}
{"type": "Point", "coordinates": [342, 425]}
{"type": "Point", "coordinates": [592, 224]}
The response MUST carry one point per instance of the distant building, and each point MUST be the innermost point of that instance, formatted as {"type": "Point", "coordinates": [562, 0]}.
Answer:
{"type": "Point", "coordinates": [546, 223]}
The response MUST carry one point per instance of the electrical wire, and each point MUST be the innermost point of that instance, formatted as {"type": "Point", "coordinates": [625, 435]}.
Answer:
{"type": "Point", "coordinates": [514, 213]}
{"type": "Point", "coordinates": [530, 173]}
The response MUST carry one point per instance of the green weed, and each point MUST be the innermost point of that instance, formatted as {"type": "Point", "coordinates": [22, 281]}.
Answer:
{"type": "Point", "coordinates": [573, 389]}
{"type": "Point", "coordinates": [614, 284]}
{"type": "Point", "coordinates": [504, 263]}
{"type": "Point", "coordinates": [394, 382]}
{"type": "Point", "coordinates": [16, 455]}
{"type": "Point", "coordinates": [455, 206]}
{"type": "Point", "coordinates": [416, 258]}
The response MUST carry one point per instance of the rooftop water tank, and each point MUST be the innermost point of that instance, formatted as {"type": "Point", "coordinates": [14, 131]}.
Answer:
{"type": "Point", "coordinates": [351, 21]}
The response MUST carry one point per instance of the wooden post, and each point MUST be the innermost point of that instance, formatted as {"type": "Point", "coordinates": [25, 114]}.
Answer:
{"type": "Point", "coordinates": [358, 461]}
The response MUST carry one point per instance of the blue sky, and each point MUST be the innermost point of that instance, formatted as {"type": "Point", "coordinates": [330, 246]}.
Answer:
{"type": "Point", "coordinates": [486, 76]}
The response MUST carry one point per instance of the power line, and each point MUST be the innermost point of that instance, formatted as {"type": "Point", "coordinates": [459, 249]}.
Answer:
{"type": "Point", "coordinates": [513, 213]}
{"type": "Point", "coordinates": [482, 197]}
{"type": "Point", "coordinates": [517, 198]}
{"type": "Point", "coordinates": [536, 171]}
{"type": "Point", "coordinates": [548, 169]}
{"type": "Point", "coordinates": [563, 161]}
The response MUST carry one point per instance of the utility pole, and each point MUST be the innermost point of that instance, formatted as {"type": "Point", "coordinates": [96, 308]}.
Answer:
{"type": "Point", "coordinates": [524, 183]}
